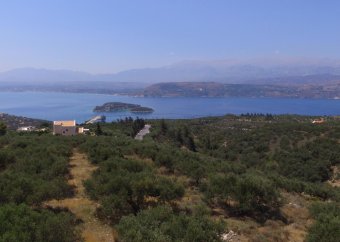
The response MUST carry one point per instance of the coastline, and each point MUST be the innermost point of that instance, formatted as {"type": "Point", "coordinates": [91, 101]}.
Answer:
{"type": "Point", "coordinates": [79, 106]}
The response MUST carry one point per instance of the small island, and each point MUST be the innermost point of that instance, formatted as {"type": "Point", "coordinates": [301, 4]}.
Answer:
{"type": "Point", "coordinates": [122, 107]}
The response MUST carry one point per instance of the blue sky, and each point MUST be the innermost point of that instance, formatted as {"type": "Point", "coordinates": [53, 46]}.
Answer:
{"type": "Point", "coordinates": [103, 36]}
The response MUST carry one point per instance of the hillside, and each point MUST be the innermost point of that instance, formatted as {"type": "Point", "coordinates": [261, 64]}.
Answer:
{"type": "Point", "coordinates": [14, 122]}
{"type": "Point", "coordinates": [185, 89]}
{"type": "Point", "coordinates": [251, 177]}
{"type": "Point", "coordinates": [212, 89]}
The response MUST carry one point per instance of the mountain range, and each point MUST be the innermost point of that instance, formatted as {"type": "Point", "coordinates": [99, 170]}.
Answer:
{"type": "Point", "coordinates": [294, 77]}
{"type": "Point", "coordinates": [292, 70]}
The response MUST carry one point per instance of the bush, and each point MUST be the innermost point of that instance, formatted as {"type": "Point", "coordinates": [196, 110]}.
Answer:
{"type": "Point", "coordinates": [20, 223]}
{"type": "Point", "coordinates": [161, 224]}
{"type": "Point", "coordinates": [34, 169]}
{"type": "Point", "coordinates": [327, 224]}
{"type": "Point", "coordinates": [127, 186]}
{"type": "Point", "coordinates": [252, 193]}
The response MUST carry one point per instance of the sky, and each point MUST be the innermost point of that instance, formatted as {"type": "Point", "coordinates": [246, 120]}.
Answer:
{"type": "Point", "coordinates": [107, 36]}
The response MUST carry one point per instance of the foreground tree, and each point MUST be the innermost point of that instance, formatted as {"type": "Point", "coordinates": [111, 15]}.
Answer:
{"type": "Point", "coordinates": [252, 193]}
{"type": "Point", "coordinates": [3, 128]}
{"type": "Point", "coordinates": [127, 186]}
{"type": "Point", "coordinates": [98, 130]}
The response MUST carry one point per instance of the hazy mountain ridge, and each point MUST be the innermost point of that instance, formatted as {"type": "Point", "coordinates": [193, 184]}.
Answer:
{"type": "Point", "coordinates": [253, 78]}
{"type": "Point", "coordinates": [226, 71]}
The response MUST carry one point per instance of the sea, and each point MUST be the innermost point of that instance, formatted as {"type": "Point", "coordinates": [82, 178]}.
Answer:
{"type": "Point", "coordinates": [79, 107]}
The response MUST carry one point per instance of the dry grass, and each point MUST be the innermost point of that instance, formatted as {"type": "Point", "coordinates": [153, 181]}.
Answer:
{"type": "Point", "coordinates": [135, 157]}
{"type": "Point", "coordinates": [91, 228]}
{"type": "Point", "coordinates": [335, 180]}
{"type": "Point", "coordinates": [295, 210]}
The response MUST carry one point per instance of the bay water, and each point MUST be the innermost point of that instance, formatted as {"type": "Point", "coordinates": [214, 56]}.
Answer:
{"type": "Point", "coordinates": [64, 106]}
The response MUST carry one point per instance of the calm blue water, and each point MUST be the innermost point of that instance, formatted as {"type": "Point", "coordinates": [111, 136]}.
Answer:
{"type": "Point", "coordinates": [58, 106]}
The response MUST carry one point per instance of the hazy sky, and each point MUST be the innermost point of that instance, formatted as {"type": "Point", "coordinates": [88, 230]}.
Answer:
{"type": "Point", "coordinates": [111, 35]}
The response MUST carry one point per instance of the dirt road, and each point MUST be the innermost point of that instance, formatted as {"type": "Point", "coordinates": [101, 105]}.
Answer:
{"type": "Point", "coordinates": [92, 230]}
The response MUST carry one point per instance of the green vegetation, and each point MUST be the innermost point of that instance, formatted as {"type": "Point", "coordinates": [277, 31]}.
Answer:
{"type": "Point", "coordinates": [21, 223]}
{"type": "Point", "coordinates": [161, 224]}
{"type": "Point", "coordinates": [33, 170]}
{"type": "Point", "coordinates": [184, 181]}
{"type": "Point", "coordinates": [253, 193]}
{"type": "Point", "coordinates": [36, 167]}
{"type": "Point", "coordinates": [3, 129]}
{"type": "Point", "coordinates": [126, 186]}
{"type": "Point", "coordinates": [127, 126]}
{"type": "Point", "coordinates": [326, 227]}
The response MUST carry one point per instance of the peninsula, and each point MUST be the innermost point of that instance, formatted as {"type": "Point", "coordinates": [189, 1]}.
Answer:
{"type": "Point", "coordinates": [122, 107]}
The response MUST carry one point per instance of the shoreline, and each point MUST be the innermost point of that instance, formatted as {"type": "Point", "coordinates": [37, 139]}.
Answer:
{"type": "Point", "coordinates": [117, 94]}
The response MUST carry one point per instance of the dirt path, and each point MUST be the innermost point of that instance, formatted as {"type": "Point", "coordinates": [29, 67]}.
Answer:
{"type": "Point", "coordinates": [335, 181]}
{"type": "Point", "coordinates": [92, 229]}
{"type": "Point", "coordinates": [144, 131]}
